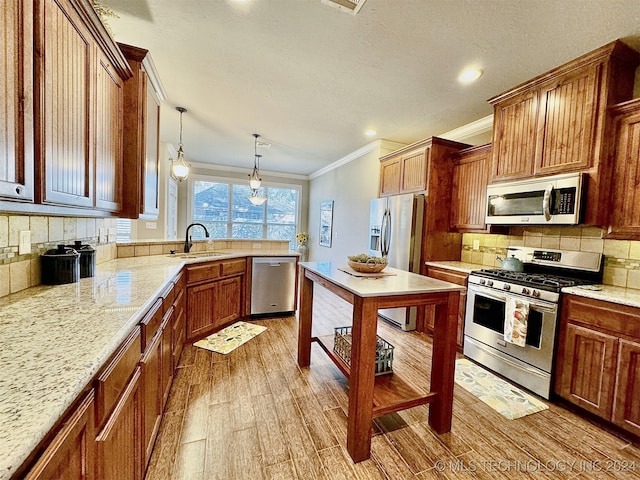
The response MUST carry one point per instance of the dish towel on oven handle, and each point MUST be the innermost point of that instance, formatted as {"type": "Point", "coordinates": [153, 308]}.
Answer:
{"type": "Point", "coordinates": [515, 322]}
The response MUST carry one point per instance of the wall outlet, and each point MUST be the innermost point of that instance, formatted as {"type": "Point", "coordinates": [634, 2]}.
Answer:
{"type": "Point", "coordinates": [103, 235]}
{"type": "Point", "coordinates": [151, 225]}
{"type": "Point", "coordinates": [24, 247]}
{"type": "Point", "coordinates": [476, 244]}
{"type": "Point", "coordinates": [256, 246]}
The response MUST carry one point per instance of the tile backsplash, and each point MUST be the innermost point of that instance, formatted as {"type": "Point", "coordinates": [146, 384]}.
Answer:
{"type": "Point", "coordinates": [18, 272]}
{"type": "Point", "coordinates": [622, 257]}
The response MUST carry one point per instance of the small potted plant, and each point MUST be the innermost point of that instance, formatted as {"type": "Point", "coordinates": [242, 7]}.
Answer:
{"type": "Point", "coordinates": [302, 238]}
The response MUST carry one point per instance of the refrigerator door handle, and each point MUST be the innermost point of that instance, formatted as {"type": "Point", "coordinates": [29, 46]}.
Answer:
{"type": "Point", "coordinates": [386, 232]}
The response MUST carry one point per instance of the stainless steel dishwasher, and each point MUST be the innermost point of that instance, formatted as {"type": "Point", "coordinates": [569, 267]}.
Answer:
{"type": "Point", "coordinates": [273, 285]}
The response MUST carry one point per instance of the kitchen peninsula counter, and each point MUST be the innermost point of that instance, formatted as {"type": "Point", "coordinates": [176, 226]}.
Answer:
{"type": "Point", "coordinates": [55, 339]}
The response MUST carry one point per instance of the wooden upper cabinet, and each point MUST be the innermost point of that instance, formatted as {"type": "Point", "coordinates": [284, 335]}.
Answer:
{"type": "Point", "coordinates": [514, 130]}
{"type": "Point", "coordinates": [414, 171]}
{"type": "Point", "coordinates": [624, 221]}
{"type": "Point", "coordinates": [143, 94]}
{"type": "Point", "coordinates": [470, 179]}
{"type": "Point", "coordinates": [556, 122]}
{"type": "Point", "coordinates": [64, 69]}
{"type": "Point", "coordinates": [16, 109]}
{"type": "Point", "coordinates": [108, 142]}
{"type": "Point", "coordinates": [566, 121]}
{"type": "Point", "coordinates": [407, 170]}
{"type": "Point", "coordinates": [390, 177]}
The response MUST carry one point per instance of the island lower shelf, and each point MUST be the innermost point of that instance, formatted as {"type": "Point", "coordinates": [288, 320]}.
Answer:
{"type": "Point", "coordinates": [391, 393]}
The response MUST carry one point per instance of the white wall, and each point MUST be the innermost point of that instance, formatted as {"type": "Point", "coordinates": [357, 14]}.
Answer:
{"type": "Point", "coordinates": [351, 186]}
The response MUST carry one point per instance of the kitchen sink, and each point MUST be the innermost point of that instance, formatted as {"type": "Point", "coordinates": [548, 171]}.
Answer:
{"type": "Point", "coordinates": [195, 254]}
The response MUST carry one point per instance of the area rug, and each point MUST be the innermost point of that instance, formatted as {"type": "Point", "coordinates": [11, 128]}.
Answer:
{"type": "Point", "coordinates": [231, 337]}
{"type": "Point", "coordinates": [506, 399]}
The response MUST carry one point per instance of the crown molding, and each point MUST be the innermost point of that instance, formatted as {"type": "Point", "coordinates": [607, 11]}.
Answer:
{"type": "Point", "coordinates": [369, 147]}
{"type": "Point", "coordinates": [482, 125]}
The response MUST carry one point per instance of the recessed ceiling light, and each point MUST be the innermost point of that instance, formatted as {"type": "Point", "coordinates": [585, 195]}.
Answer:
{"type": "Point", "coordinates": [370, 133]}
{"type": "Point", "coordinates": [470, 75]}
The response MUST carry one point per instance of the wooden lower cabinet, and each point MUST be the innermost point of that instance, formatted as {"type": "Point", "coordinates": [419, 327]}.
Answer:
{"type": "Point", "coordinates": [212, 305]}
{"type": "Point", "coordinates": [459, 278]}
{"type": "Point", "coordinates": [215, 296]}
{"type": "Point", "coordinates": [71, 454]}
{"type": "Point", "coordinates": [119, 443]}
{"type": "Point", "coordinates": [598, 361]}
{"type": "Point", "coordinates": [588, 364]}
{"type": "Point", "coordinates": [152, 377]}
{"type": "Point", "coordinates": [626, 409]}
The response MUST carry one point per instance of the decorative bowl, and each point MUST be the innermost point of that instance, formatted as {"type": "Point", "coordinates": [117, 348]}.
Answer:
{"type": "Point", "coordinates": [369, 267]}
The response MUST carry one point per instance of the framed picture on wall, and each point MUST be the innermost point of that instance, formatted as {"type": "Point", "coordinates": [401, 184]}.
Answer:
{"type": "Point", "coordinates": [326, 223]}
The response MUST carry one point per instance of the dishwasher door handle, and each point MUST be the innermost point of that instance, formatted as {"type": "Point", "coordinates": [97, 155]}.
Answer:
{"type": "Point", "coordinates": [275, 264]}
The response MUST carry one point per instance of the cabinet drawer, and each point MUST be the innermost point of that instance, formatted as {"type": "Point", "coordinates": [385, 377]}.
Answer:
{"type": "Point", "coordinates": [167, 296]}
{"type": "Point", "coordinates": [201, 272]}
{"type": "Point", "coordinates": [459, 278]}
{"type": "Point", "coordinates": [179, 283]}
{"type": "Point", "coordinates": [150, 324]}
{"type": "Point", "coordinates": [179, 303]}
{"type": "Point", "coordinates": [113, 379]}
{"type": "Point", "coordinates": [231, 267]}
{"type": "Point", "coordinates": [619, 319]}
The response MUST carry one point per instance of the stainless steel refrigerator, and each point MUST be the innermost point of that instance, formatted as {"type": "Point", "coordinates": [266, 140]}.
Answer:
{"type": "Point", "coordinates": [395, 231]}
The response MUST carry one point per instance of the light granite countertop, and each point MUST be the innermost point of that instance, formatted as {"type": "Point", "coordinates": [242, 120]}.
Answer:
{"type": "Point", "coordinates": [457, 266]}
{"type": "Point", "coordinates": [55, 339]}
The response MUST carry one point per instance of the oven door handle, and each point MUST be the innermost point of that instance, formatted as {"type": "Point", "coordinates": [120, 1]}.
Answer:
{"type": "Point", "coordinates": [488, 293]}
{"type": "Point", "coordinates": [533, 305]}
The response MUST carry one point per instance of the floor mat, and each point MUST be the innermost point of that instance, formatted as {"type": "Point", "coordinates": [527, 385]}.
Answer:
{"type": "Point", "coordinates": [231, 337]}
{"type": "Point", "coordinates": [506, 399]}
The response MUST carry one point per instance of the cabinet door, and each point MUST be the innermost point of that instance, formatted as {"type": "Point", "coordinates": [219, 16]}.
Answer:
{"type": "Point", "coordinates": [212, 305]}
{"type": "Point", "coordinates": [625, 214]}
{"type": "Point", "coordinates": [566, 118]}
{"type": "Point", "coordinates": [108, 144]}
{"type": "Point", "coordinates": [120, 452]}
{"type": "Point", "coordinates": [413, 171]}
{"type": "Point", "coordinates": [470, 179]}
{"type": "Point", "coordinates": [166, 365]}
{"type": "Point", "coordinates": [179, 333]}
{"type": "Point", "coordinates": [150, 200]}
{"type": "Point", "coordinates": [229, 300]}
{"type": "Point", "coordinates": [151, 378]}
{"type": "Point", "coordinates": [16, 109]}
{"type": "Point", "coordinates": [626, 409]}
{"type": "Point", "coordinates": [390, 177]}
{"type": "Point", "coordinates": [589, 369]}
{"type": "Point", "coordinates": [514, 134]}
{"type": "Point", "coordinates": [64, 82]}
{"type": "Point", "coordinates": [71, 454]}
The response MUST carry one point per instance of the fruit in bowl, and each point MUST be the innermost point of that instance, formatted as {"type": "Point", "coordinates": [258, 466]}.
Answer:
{"type": "Point", "coordinates": [364, 263]}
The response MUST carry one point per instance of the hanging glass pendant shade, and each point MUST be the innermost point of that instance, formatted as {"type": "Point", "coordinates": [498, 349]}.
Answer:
{"type": "Point", "coordinates": [180, 168]}
{"type": "Point", "coordinates": [254, 179]}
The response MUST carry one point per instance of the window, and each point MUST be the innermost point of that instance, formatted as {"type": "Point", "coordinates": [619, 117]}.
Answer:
{"type": "Point", "coordinates": [222, 206]}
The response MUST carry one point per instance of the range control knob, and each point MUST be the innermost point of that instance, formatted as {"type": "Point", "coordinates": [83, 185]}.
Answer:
{"type": "Point", "coordinates": [525, 291]}
{"type": "Point", "coordinates": [506, 287]}
{"type": "Point", "coordinates": [482, 281]}
{"type": "Point", "coordinates": [535, 293]}
{"type": "Point", "coordinates": [489, 283]}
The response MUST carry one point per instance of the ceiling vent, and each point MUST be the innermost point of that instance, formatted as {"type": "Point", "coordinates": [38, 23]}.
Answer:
{"type": "Point", "coordinates": [349, 6]}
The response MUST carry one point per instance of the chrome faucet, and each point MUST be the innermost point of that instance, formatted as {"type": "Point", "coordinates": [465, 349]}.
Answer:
{"type": "Point", "coordinates": [187, 239]}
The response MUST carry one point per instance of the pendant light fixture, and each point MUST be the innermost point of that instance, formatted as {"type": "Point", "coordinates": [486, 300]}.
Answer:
{"type": "Point", "coordinates": [254, 179]}
{"type": "Point", "coordinates": [180, 168]}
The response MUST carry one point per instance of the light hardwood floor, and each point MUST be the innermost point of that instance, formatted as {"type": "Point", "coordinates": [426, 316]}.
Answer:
{"type": "Point", "coordinates": [253, 414]}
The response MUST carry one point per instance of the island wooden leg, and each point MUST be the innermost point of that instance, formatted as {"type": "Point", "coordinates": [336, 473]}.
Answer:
{"type": "Point", "coordinates": [305, 314]}
{"type": "Point", "coordinates": [361, 378]}
{"type": "Point", "coordinates": [443, 363]}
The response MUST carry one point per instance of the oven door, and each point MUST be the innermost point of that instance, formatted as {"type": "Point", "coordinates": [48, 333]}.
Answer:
{"type": "Point", "coordinates": [485, 318]}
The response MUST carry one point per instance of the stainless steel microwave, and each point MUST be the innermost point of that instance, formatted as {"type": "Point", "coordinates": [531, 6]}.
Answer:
{"type": "Point", "coordinates": [552, 200]}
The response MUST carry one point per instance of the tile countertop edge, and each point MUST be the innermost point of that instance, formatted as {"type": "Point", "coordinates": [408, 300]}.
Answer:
{"type": "Point", "coordinates": [608, 293]}
{"type": "Point", "coordinates": [44, 324]}
{"type": "Point", "coordinates": [458, 266]}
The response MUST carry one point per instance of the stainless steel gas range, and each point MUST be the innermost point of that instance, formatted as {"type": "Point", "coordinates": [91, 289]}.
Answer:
{"type": "Point", "coordinates": [545, 273]}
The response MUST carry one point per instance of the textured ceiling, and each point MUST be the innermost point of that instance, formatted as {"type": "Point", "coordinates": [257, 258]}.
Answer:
{"type": "Point", "coordinates": [310, 78]}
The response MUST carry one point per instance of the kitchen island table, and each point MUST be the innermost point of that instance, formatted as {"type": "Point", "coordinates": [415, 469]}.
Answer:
{"type": "Point", "coordinates": [371, 396]}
